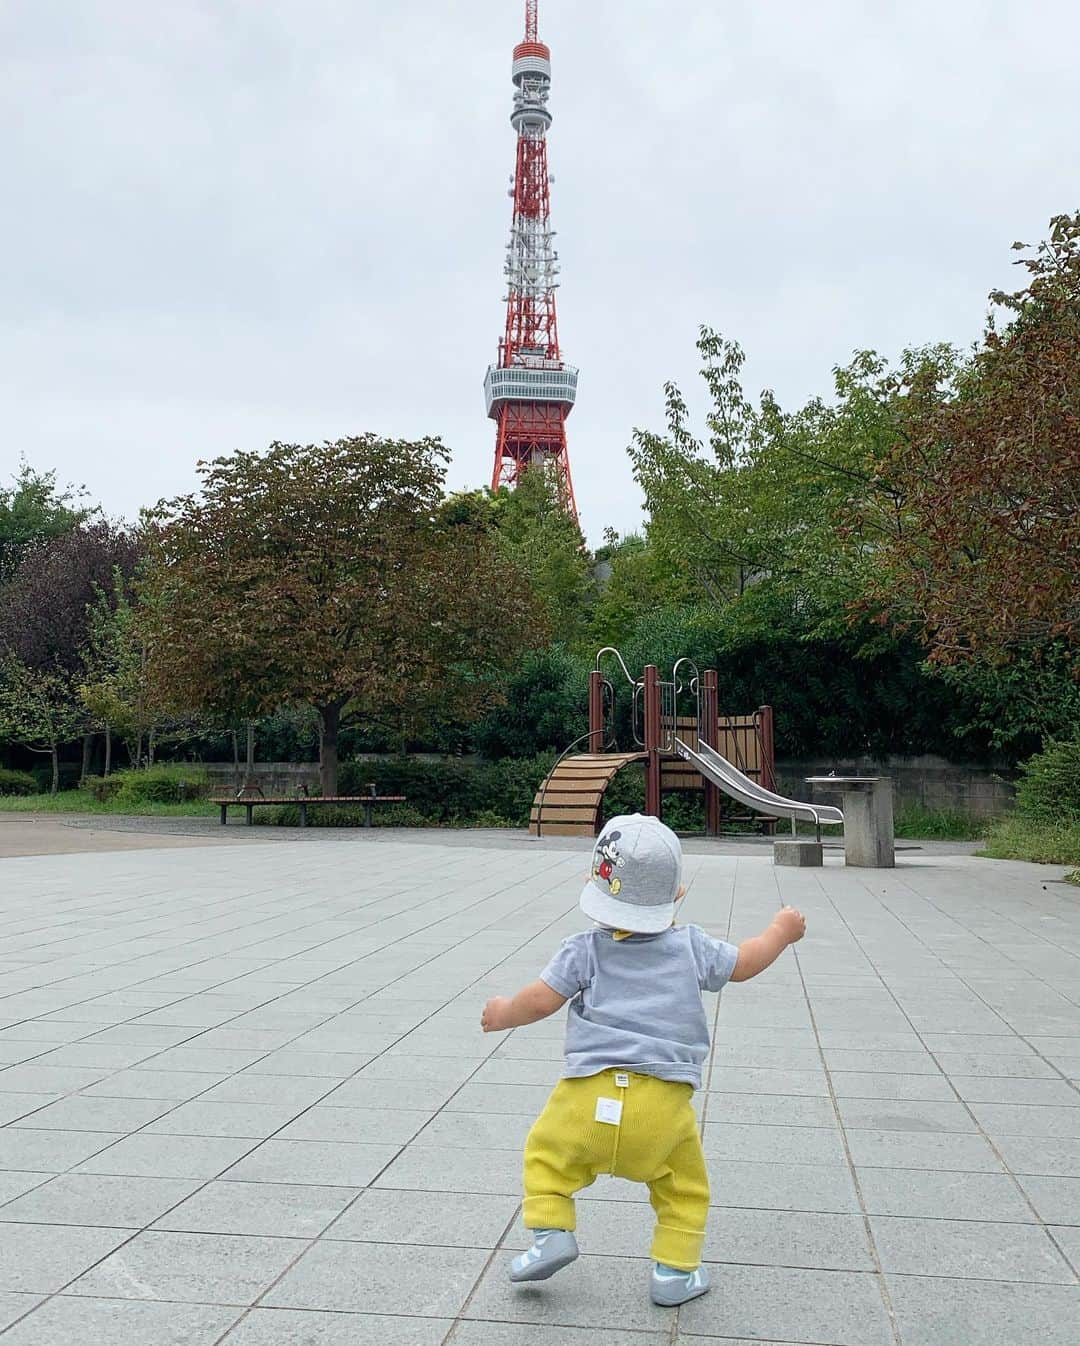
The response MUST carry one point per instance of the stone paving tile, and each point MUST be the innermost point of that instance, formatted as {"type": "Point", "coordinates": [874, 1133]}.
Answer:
{"type": "Point", "coordinates": [80, 1113]}
{"type": "Point", "coordinates": [1056, 1199]}
{"type": "Point", "coordinates": [476, 1131]}
{"type": "Point", "coordinates": [247, 1087]}
{"type": "Point", "coordinates": [295, 1327]}
{"type": "Point", "coordinates": [730, 1080]}
{"type": "Point", "coordinates": [50, 1151]}
{"type": "Point", "coordinates": [798, 1144]}
{"type": "Point", "coordinates": [438, 1169]}
{"type": "Point", "coordinates": [878, 1062]}
{"type": "Point", "coordinates": [356, 1125]}
{"type": "Point", "coordinates": [1013, 1119]}
{"type": "Point", "coordinates": [319, 1163]}
{"type": "Point", "coordinates": [269, 1209]}
{"type": "Point", "coordinates": [97, 1199]}
{"type": "Point", "coordinates": [411, 1095]}
{"type": "Point", "coordinates": [606, 1293]}
{"type": "Point", "coordinates": [934, 1311]}
{"type": "Point", "coordinates": [201, 1118]}
{"type": "Point", "coordinates": [55, 1080]}
{"type": "Point", "coordinates": [528, 1334]}
{"type": "Point", "coordinates": [13, 1306]}
{"type": "Point", "coordinates": [772, 1110]}
{"type": "Point", "coordinates": [995, 1066]}
{"type": "Point", "coordinates": [115, 1322]}
{"type": "Point", "coordinates": [882, 1084]}
{"type": "Point", "coordinates": [838, 1307]}
{"type": "Point", "coordinates": [16, 1106]}
{"type": "Point", "coordinates": [1067, 1238]}
{"type": "Point", "coordinates": [440, 1219]}
{"type": "Point", "coordinates": [143, 1156]}
{"type": "Point", "coordinates": [937, 1195]}
{"type": "Point", "coordinates": [971, 1249]}
{"type": "Point", "coordinates": [40, 1259]}
{"type": "Point", "coordinates": [1041, 1155]}
{"type": "Point", "coordinates": [190, 1268]}
{"type": "Point", "coordinates": [783, 1186]}
{"type": "Point", "coordinates": [14, 1183]}
{"type": "Point", "coordinates": [425, 1282]}
{"type": "Point", "coordinates": [947, 1151]}
{"type": "Point", "coordinates": [870, 1114]}
{"type": "Point", "coordinates": [169, 1085]}
{"type": "Point", "coordinates": [980, 1089]}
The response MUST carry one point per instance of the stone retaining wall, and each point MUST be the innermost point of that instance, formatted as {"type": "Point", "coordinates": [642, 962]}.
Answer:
{"type": "Point", "coordinates": [933, 782]}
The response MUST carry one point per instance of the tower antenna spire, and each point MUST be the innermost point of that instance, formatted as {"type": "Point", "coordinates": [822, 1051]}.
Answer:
{"type": "Point", "coordinates": [530, 391]}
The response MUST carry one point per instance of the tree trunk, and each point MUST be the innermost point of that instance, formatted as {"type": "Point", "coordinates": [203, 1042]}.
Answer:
{"type": "Point", "coordinates": [236, 760]}
{"type": "Point", "coordinates": [108, 749]}
{"type": "Point", "coordinates": [250, 752]}
{"type": "Point", "coordinates": [54, 753]}
{"type": "Point", "coordinates": [150, 745]}
{"type": "Point", "coordinates": [87, 756]}
{"type": "Point", "coordinates": [330, 719]}
{"type": "Point", "coordinates": [137, 761]}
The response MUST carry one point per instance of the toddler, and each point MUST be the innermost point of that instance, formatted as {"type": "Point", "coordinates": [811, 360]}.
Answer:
{"type": "Point", "coordinates": [636, 1037]}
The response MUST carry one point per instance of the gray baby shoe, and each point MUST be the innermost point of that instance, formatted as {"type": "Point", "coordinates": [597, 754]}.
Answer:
{"type": "Point", "coordinates": [552, 1250]}
{"type": "Point", "coordinates": [671, 1287]}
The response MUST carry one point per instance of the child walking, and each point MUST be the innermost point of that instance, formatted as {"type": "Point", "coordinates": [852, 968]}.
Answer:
{"type": "Point", "coordinates": [636, 1038]}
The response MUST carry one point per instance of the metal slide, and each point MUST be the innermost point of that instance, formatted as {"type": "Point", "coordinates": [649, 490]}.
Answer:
{"type": "Point", "coordinates": [732, 781]}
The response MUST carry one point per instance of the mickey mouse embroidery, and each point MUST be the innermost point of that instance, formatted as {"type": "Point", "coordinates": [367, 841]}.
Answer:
{"type": "Point", "coordinates": [610, 860]}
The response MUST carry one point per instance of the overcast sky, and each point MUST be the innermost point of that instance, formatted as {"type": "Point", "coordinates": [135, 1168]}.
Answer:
{"type": "Point", "coordinates": [232, 221]}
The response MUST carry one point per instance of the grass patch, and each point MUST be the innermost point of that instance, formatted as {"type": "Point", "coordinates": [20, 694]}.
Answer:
{"type": "Point", "coordinates": [1044, 843]}
{"type": "Point", "coordinates": [916, 822]}
{"type": "Point", "coordinates": [82, 801]}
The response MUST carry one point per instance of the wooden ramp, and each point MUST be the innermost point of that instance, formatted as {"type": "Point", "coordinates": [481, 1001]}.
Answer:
{"type": "Point", "coordinates": [568, 802]}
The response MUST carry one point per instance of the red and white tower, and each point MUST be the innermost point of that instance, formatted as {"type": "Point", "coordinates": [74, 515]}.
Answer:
{"type": "Point", "coordinates": [530, 391]}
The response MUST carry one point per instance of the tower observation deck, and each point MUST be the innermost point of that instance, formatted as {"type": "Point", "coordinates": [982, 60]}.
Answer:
{"type": "Point", "coordinates": [530, 390]}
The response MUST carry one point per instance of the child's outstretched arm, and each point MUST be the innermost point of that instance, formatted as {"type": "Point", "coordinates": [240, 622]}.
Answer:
{"type": "Point", "coordinates": [756, 954]}
{"type": "Point", "coordinates": [529, 1006]}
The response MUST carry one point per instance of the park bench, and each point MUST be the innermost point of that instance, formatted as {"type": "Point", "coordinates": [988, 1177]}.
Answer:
{"type": "Point", "coordinates": [367, 802]}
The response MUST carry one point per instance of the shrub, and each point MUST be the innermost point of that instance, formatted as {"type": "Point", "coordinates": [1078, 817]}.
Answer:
{"type": "Point", "coordinates": [439, 790]}
{"type": "Point", "coordinates": [489, 818]}
{"type": "Point", "coordinates": [1017, 838]}
{"type": "Point", "coordinates": [392, 815]}
{"type": "Point", "coordinates": [102, 788]}
{"type": "Point", "coordinates": [507, 788]}
{"type": "Point", "coordinates": [1049, 787]}
{"type": "Point", "coordinates": [17, 782]}
{"type": "Point", "coordinates": [160, 785]}
{"type": "Point", "coordinates": [42, 777]}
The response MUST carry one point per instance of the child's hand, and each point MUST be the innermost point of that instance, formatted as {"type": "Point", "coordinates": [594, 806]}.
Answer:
{"type": "Point", "coordinates": [792, 923]}
{"type": "Point", "coordinates": [496, 1015]}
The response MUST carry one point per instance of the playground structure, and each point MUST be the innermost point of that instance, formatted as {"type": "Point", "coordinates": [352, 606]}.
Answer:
{"type": "Point", "coordinates": [680, 751]}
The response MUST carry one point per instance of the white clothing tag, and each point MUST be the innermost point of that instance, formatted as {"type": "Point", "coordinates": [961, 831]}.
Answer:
{"type": "Point", "coordinates": [609, 1110]}
{"type": "Point", "coordinates": [622, 1081]}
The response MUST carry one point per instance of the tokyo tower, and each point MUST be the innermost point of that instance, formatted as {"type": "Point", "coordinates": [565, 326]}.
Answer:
{"type": "Point", "coordinates": [530, 391]}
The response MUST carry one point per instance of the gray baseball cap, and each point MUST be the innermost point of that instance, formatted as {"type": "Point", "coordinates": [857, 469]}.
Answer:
{"type": "Point", "coordinates": [636, 873]}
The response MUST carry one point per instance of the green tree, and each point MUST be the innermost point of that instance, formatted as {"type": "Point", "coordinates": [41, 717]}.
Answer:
{"type": "Point", "coordinates": [982, 555]}
{"type": "Point", "coordinates": [324, 575]}
{"type": "Point", "coordinates": [32, 511]}
{"type": "Point", "coordinates": [542, 540]}
{"type": "Point", "coordinates": [634, 581]}
{"type": "Point", "coordinates": [39, 709]}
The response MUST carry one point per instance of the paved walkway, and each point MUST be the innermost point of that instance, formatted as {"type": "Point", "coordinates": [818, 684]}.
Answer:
{"type": "Point", "coordinates": [247, 1101]}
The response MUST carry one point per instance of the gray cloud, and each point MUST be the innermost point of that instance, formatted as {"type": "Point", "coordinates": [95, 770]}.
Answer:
{"type": "Point", "coordinates": [231, 222]}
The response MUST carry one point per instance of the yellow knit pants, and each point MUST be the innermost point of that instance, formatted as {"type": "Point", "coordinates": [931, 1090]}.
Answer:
{"type": "Point", "coordinates": [656, 1142]}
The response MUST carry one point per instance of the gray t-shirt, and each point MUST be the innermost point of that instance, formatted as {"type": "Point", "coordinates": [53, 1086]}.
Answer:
{"type": "Point", "coordinates": [636, 1002]}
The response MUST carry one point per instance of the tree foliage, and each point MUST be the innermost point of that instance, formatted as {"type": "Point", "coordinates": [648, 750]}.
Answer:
{"type": "Point", "coordinates": [984, 553]}
{"type": "Point", "coordinates": [323, 574]}
{"type": "Point", "coordinates": [33, 510]}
